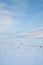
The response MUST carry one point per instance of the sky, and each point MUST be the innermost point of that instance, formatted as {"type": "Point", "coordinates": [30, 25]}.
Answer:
{"type": "Point", "coordinates": [21, 17]}
{"type": "Point", "coordinates": [21, 22]}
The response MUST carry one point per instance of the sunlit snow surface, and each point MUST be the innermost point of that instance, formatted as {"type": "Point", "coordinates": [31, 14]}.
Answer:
{"type": "Point", "coordinates": [21, 52]}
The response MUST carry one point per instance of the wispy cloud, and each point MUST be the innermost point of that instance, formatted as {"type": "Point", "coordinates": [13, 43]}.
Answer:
{"type": "Point", "coordinates": [5, 23]}
{"type": "Point", "coordinates": [4, 12]}
{"type": "Point", "coordinates": [21, 17]}
{"type": "Point", "coordinates": [34, 33]}
{"type": "Point", "coordinates": [9, 24]}
{"type": "Point", "coordinates": [17, 9]}
{"type": "Point", "coordinates": [2, 5]}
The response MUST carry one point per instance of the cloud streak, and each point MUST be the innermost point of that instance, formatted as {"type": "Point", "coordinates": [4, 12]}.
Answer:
{"type": "Point", "coordinates": [21, 17]}
{"type": "Point", "coordinates": [2, 12]}
{"type": "Point", "coordinates": [35, 33]}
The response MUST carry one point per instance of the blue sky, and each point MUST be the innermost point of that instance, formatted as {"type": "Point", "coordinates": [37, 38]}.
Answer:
{"type": "Point", "coordinates": [21, 22]}
{"type": "Point", "coordinates": [21, 17]}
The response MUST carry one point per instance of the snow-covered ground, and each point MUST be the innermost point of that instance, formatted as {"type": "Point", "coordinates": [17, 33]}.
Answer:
{"type": "Point", "coordinates": [21, 52]}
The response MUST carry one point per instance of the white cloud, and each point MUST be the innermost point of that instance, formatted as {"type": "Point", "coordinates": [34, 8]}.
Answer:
{"type": "Point", "coordinates": [5, 23]}
{"type": "Point", "coordinates": [34, 33]}
{"type": "Point", "coordinates": [9, 24]}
